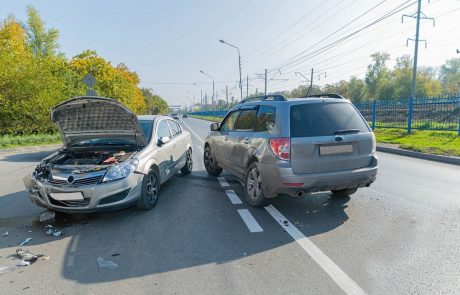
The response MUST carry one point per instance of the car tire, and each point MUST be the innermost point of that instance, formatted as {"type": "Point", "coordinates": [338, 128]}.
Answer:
{"type": "Point", "coordinates": [344, 192]}
{"type": "Point", "coordinates": [209, 163]}
{"type": "Point", "coordinates": [253, 188]}
{"type": "Point", "coordinates": [150, 190]}
{"type": "Point", "coordinates": [188, 167]}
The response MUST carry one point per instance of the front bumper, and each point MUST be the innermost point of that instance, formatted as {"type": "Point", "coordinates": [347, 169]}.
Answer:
{"type": "Point", "coordinates": [97, 197]}
{"type": "Point", "coordinates": [281, 180]}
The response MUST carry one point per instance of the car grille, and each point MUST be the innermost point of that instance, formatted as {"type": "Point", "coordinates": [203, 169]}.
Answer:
{"type": "Point", "coordinates": [77, 203]}
{"type": "Point", "coordinates": [81, 181]}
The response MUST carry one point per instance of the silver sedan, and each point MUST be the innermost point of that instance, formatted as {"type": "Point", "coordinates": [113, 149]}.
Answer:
{"type": "Point", "coordinates": [111, 159]}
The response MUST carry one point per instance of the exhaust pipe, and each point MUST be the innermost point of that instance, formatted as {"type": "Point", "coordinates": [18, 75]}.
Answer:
{"type": "Point", "coordinates": [300, 194]}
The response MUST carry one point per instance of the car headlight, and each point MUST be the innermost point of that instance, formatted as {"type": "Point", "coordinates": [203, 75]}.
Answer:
{"type": "Point", "coordinates": [121, 170]}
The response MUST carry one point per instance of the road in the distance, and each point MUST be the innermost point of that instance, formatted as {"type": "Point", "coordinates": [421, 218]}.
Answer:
{"type": "Point", "coordinates": [400, 236]}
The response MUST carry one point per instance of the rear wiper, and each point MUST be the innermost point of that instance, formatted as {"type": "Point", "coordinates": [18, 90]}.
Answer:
{"type": "Point", "coordinates": [346, 131]}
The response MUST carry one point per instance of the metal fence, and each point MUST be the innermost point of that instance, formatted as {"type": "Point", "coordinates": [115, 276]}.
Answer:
{"type": "Point", "coordinates": [435, 113]}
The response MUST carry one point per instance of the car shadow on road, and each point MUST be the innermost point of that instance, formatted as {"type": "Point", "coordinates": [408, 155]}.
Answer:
{"type": "Point", "coordinates": [193, 225]}
{"type": "Point", "coordinates": [26, 157]}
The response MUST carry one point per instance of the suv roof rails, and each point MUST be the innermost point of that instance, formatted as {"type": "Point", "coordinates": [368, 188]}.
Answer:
{"type": "Point", "coordinates": [274, 97]}
{"type": "Point", "coordinates": [330, 95]}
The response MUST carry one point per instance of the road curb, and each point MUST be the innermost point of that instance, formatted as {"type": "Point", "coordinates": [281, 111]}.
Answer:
{"type": "Point", "coordinates": [424, 156]}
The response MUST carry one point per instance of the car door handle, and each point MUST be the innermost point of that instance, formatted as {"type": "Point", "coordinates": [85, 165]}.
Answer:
{"type": "Point", "coordinates": [225, 138]}
{"type": "Point", "coordinates": [246, 140]}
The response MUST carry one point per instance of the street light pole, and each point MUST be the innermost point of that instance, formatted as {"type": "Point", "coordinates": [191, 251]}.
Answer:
{"type": "Point", "coordinates": [201, 95]}
{"type": "Point", "coordinates": [213, 90]}
{"type": "Point", "coordinates": [239, 65]}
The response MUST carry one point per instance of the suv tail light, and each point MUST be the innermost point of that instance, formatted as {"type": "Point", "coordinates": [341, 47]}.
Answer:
{"type": "Point", "coordinates": [281, 147]}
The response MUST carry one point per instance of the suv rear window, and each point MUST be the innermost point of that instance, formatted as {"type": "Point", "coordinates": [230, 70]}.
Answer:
{"type": "Point", "coordinates": [323, 119]}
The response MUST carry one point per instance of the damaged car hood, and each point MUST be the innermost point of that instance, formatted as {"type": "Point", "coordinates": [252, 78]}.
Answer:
{"type": "Point", "coordinates": [86, 118]}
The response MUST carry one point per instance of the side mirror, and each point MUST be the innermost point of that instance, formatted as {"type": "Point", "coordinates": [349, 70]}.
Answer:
{"type": "Point", "coordinates": [215, 127]}
{"type": "Point", "coordinates": [164, 140]}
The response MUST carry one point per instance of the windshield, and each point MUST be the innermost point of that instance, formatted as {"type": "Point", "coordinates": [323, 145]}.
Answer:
{"type": "Point", "coordinates": [322, 119]}
{"type": "Point", "coordinates": [146, 126]}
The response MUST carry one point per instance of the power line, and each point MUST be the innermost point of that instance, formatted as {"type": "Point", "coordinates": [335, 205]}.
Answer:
{"type": "Point", "coordinates": [301, 59]}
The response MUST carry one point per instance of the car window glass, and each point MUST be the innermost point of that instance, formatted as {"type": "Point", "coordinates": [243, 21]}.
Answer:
{"type": "Point", "coordinates": [146, 128]}
{"type": "Point", "coordinates": [265, 121]}
{"type": "Point", "coordinates": [163, 130]}
{"type": "Point", "coordinates": [246, 120]}
{"type": "Point", "coordinates": [175, 128]}
{"type": "Point", "coordinates": [323, 119]}
{"type": "Point", "coordinates": [229, 121]}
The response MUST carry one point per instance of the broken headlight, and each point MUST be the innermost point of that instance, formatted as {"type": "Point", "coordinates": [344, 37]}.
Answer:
{"type": "Point", "coordinates": [121, 170]}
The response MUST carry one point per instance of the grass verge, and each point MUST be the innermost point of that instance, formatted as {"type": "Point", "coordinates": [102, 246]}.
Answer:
{"type": "Point", "coordinates": [445, 143]}
{"type": "Point", "coordinates": [10, 141]}
{"type": "Point", "coordinates": [426, 141]}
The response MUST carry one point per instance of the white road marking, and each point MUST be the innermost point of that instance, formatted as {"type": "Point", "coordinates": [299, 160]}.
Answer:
{"type": "Point", "coordinates": [340, 278]}
{"type": "Point", "coordinates": [196, 135]}
{"type": "Point", "coordinates": [233, 197]}
{"type": "Point", "coordinates": [250, 221]}
{"type": "Point", "coordinates": [223, 182]}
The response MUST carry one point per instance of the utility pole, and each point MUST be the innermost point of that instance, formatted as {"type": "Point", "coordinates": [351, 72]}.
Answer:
{"type": "Point", "coordinates": [226, 95]}
{"type": "Point", "coordinates": [265, 91]}
{"type": "Point", "coordinates": [311, 83]}
{"type": "Point", "coordinates": [247, 86]}
{"type": "Point", "coordinates": [414, 69]}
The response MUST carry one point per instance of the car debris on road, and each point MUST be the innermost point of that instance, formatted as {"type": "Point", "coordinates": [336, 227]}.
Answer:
{"type": "Point", "coordinates": [52, 231]}
{"type": "Point", "coordinates": [47, 216]}
{"type": "Point", "coordinates": [102, 263]}
{"type": "Point", "coordinates": [25, 241]}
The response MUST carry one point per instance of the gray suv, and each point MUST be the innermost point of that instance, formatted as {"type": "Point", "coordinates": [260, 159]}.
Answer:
{"type": "Point", "coordinates": [296, 146]}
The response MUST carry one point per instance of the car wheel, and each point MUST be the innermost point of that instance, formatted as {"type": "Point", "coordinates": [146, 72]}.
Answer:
{"type": "Point", "coordinates": [344, 192]}
{"type": "Point", "coordinates": [188, 167]}
{"type": "Point", "coordinates": [253, 188]}
{"type": "Point", "coordinates": [150, 189]}
{"type": "Point", "coordinates": [209, 163]}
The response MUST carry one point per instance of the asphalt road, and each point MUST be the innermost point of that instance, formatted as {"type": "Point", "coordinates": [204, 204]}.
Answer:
{"type": "Point", "coordinates": [400, 236]}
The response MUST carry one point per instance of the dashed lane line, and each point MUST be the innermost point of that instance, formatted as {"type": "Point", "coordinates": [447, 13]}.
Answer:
{"type": "Point", "coordinates": [339, 276]}
{"type": "Point", "coordinates": [223, 182]}
{"type": "Point", "coordinates": [233, 197]}
{"type": "Point", "coordinates": [250, 221]}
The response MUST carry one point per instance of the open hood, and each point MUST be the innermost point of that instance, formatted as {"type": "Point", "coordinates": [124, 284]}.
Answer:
{"type": "Point", "coordinates": [86, 118]}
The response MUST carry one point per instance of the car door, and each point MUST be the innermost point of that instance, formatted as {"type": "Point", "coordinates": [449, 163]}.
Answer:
{"type": "Point", "coordinates": [165, 155]}
{"type": "Point", "coordinates": [220, 139]}
{"type": "Point", "coordinates": [240, 139]}
{"type": "Point", "coordinates": [179, 146]}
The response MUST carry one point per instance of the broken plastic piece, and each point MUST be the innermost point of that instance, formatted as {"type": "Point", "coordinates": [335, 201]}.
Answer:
{"type": "Point", "coordinates": [102, 263]}
{"type": "Point", "coordinates": [23, 263]}
{"type": "Point", "coordinates": [111, 160]}
{"type": "Point", "coordinates": [47, 216]}
{"type": "Point", "coordinates": [25, 241]}
{"type": "Point", "coordinates": [5, 234]}
{"type": "Point", "coordinates": [52, 231]}
{"type": "Point", "coordinates": [27, 256]}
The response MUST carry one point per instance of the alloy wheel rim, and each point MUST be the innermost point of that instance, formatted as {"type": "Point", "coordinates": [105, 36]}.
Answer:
{"type": "Point", "coordinates": [207, 160]}
{"type": "Point", "coordinates": [189, 161]}
{"type": "Point", "coordinates": [254, 185]}
{"type": "Point", "coordinates": [152, 188]}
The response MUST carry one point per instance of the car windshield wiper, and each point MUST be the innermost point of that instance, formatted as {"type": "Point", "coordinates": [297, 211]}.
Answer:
{"type": "Point", "coordinates": [346, 131]}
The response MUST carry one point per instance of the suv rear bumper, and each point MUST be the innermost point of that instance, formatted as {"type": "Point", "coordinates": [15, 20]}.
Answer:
{"type": "Point", "coordinates": [281, 179]}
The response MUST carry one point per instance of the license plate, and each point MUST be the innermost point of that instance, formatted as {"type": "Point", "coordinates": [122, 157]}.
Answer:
{"type": "Point", "coordinates": [325, 150]}
{"type": "Point", "coordinates": [77, 196]}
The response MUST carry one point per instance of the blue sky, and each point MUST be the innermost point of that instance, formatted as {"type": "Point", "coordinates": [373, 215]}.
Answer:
{"type": "Point", "coordinates": [171, 41]}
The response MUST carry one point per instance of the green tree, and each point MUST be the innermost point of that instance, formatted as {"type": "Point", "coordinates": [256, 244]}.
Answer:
{"type": "Point", "coordinates": [376, 72]}
{"type": "Point", "coordinates": [450, 76]}
{"type": "Point", "coordinates": [43, 42]}
{"type": "Point", "coordinates": [356, 91]}
{"type": "Point", "coordinates": [155, 105]}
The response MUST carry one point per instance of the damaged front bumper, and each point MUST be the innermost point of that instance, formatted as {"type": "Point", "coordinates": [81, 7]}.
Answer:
{"type": "Point", "coordinates": [98, 197]}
